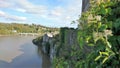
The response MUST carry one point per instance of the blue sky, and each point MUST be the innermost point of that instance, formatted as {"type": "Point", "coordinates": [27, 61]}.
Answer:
{"type": "Point", "coordinates": [52, 13]}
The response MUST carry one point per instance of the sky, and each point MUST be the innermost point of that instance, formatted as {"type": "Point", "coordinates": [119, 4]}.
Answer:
{"type": "Point", "coordinates": [51, 13]}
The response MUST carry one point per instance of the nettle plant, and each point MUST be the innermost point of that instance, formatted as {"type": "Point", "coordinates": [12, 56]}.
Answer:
{"type": "Point", "coordinates": [100, 28]}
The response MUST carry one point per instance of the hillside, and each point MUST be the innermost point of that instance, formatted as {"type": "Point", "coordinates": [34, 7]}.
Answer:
{"type": "Point", "coordinates": [14, 28]}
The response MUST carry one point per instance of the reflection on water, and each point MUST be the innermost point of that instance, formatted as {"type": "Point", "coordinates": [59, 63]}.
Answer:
{"type": "Point", "coordinates": [20, 52]}
{"type": "Point", "coordinates": [45, 59]}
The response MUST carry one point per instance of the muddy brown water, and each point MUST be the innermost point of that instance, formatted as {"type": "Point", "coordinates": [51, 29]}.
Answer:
{"type": "Point", "coordinates": [20, 52]}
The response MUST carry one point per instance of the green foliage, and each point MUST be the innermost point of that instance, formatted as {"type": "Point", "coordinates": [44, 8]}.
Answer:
{"type": "Point", "coordinates": [7, 28]}
{"type": "Point", "coordinates": [60, 63]}
{"type": "Point", "coordinates": [62, 34]}
{"type": "Point", "coordinates": [100, 29]}
{"type": "Point", "coordinates": [38, 41]}
{"type": "Point", "coordinates": [80, 39]}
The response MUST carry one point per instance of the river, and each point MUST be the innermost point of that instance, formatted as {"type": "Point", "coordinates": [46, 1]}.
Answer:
{"type": "Point", "coordinates": [20, 52]}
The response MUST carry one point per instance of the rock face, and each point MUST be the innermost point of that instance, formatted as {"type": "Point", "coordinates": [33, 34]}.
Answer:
{"type": "Point", "coordinates": [53, 47]}
{"type": "Point", "coordinates": [48, 45]}
{"type": "Point", "coordinates": [61, 45]}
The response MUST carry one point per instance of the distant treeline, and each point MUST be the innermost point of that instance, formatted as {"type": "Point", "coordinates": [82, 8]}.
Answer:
{"type": "Point", "coordinates": [13, 28]}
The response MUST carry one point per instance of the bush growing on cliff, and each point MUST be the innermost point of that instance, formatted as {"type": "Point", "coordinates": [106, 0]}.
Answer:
{"type": "Point", "coordinates": [38, 41]}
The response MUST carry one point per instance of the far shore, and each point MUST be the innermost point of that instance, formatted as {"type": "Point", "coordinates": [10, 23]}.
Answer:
{"type": "Point", "coordinates": [9, 35]}
{"type": "Point", "coordinates": [17, 35]}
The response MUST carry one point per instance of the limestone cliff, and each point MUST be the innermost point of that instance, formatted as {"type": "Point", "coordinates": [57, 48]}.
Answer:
{"type": "Point", "coordinates": [60, 45]}
{"type": "Point", "coordinates": [48, 44]}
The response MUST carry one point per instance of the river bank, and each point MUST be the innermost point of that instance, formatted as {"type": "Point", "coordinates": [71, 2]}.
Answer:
{"type": "Point", "coordinates": [8, 35]}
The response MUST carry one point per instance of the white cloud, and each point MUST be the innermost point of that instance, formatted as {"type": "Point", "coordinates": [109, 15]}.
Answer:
{"type": "Point", "coordinates": [16, 18]}
{"type": "Point", "coordinates": [31, 8]}
{"type": "Point", "coordinates": [4, 4]}
{"type": "Point", "coordinates": [23, 6]}
{"type": "Point", "coordinates": [21, 10]}
{"type": "Point", "coordinates": [57, 11]}
{"type": "Point", "coordinates": [2, 13]}
{"type": "Point", "coordinates": [12, 17]}
{"type": "Point", "coordinates": [68, 17]}
{"type": "Point", "coordinates": [68, 13]}
{"type": "Point", "coordinates": [59, 14]}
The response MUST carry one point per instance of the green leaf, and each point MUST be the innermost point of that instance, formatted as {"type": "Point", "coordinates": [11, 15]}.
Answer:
{"type": "Point", "coordinates": [81, 42]}
{"type": "Point", "coordinates": [105, 59]}
{"type": "Point", "coordinates": [65, 63]}
{"type": "Point", "coordinates": [105, 53]}
{"type": "Point", "coordinates": [109, 10]}
{"type": "Point", "coordinates": [100, 53]}
{"type": "Point", "coordinates": [97, 58]}
{"type": "Point", "coordinates": [109, 45]}
{"type": "Point", "coordinates": [106, 11]}
{"type": "Point", "coordinates": [103, 11]}
{"type": "Point", "coordinates": [91, 44]}
{"type": "Point", "coordinates": [103, 27]}
{"type": "Point", "coordinates": [99, 24]}
{"type": "Point", "coordinates": [88, 38]}
{"type": "Point", "coordinates": [109, 24]}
